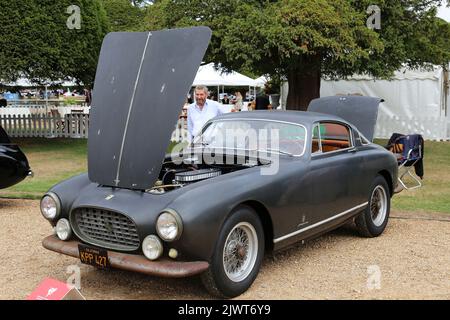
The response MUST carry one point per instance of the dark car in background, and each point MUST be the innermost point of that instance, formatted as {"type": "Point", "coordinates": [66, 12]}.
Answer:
{"type": "Point", "coordinates": [140, 210]}
{"type": "Point", "coordinates": [14, 165]}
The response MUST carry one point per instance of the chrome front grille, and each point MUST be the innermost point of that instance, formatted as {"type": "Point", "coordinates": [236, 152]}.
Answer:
{"type": "Point", "coordinates": [105, 228]}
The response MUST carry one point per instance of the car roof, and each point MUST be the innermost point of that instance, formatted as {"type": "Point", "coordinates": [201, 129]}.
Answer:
{"type": "Point", "coordinates": [297, 117]}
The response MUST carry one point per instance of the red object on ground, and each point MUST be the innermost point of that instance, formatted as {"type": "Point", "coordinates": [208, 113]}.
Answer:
{"type": "Point", "coordinates": [51, 289]}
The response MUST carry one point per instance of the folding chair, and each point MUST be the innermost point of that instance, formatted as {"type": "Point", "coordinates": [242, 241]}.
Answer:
{"type": "Point", "coordinates": [408, 150]}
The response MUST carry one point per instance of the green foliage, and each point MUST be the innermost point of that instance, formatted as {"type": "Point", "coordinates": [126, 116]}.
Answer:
{"type": "Point", "coordinates": [36, 43]}
{"type": "Point", "coordinates": [124, 15]}
{"type": "Point", "coordinates": [329, 36]}
{"type": "Point", "coordinates": [70, 101]}
{"type": "Point", "coordinates": [411, 33]}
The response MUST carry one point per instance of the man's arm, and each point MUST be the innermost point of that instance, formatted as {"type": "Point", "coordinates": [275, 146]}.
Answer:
{"type": "Point", "coordinates": [219, 111]}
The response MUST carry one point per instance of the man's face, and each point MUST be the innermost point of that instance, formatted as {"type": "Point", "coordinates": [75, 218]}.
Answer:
{"type": "Point", "coordinates": [200, 97]}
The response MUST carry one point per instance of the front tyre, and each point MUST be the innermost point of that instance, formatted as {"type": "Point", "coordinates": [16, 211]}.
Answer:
{"type": "Point", "coordinates": [237, 256]}
{"type": "Point", "coordinates": [373, 220]}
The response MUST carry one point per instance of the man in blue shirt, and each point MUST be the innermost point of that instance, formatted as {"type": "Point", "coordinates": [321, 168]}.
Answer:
{"type": "Point", "coordinates": [201, 111]}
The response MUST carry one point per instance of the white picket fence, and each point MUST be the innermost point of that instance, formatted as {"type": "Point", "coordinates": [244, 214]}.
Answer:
{"type": "Point", "coordinates": [430, 128]}
{"type": "Point", "coordinates": [39, 109]}
{"type": "Point", "coordinates": [76, 126]}
{"type": "Point", "coordinates": [43, 125]}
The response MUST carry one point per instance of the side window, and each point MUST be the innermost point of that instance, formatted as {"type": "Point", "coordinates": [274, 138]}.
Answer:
{"type": "Point", "coordinates": [333, 136]}
{"type": "Point", "coordinates": [360, 138]}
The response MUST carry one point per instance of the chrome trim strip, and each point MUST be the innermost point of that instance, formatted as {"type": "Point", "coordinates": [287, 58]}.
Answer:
{"type": "Point", "coordinates": [319, 223]}
{"type": "Point", "coordinates": [130, 108]}
{"type": "Point", "coordinates": [55, 197]}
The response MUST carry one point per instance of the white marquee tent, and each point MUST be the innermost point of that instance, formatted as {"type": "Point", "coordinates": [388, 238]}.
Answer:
{"type": "Point", "coordinates": [24, 82]}
{"type": "Point", "coordinates": [415, 101]}
{"type": "Point", "coordinates": [207, 75]}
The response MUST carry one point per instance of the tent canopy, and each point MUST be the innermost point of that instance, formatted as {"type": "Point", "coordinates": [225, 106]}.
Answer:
{"type": "Point", "coordinates": [26, 83]}
{"type": "Point", "coordinates": [207, 75]}
{"type": "Point", "coordinates": [261, 81]}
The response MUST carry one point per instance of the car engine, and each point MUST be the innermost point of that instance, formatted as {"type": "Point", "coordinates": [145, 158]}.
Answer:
{"type": "Point", "coordinates": [196, 175]}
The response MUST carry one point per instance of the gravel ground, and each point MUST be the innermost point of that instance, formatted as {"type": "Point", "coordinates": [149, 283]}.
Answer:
{"type": "Point", "coordinates": [412, 257]}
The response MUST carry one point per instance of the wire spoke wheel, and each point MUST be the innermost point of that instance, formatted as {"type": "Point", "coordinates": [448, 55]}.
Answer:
{"type": "Point", "coordinates": [378, 206]}
{"type": "Point", "coordinates": [240, 252]}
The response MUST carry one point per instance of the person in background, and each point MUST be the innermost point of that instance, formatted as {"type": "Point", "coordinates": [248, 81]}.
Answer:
{"type": "Point", "coordinates": [3, 102]}
{"type": "Point", "coordinates": [251, 105]}
{"type": "Point", "coordinates": [262, 102]}
{"type": "Point", "coordinates": [238, 101]}
{"type": "Point", "coordinates": [225, 100]}
{"type": "Point", "coordinates": [201, 111]}
{"type": "Point", "coordinates": [87, 97]}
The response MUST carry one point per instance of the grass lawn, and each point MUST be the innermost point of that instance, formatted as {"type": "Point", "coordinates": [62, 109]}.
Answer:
{"type": "Point", "coordinates": [53, 160]}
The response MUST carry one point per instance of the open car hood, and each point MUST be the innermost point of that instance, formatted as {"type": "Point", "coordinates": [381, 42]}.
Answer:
{"type": "Point", "coordinates": [360, 111]}
{"type": "Point", "coordinates": [140, 86]}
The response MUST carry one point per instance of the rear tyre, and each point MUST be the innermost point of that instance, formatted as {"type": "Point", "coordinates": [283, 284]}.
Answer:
{"type": "Point", "coordinates": [373, 220]}
{"type": "Point", "coordinates": [237, 256]}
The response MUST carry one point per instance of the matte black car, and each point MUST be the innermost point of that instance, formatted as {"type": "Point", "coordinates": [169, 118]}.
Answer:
{"type": "Point", "coordinates": [14, 165]}
{"type": "Point", "coordinates": [212, 209]}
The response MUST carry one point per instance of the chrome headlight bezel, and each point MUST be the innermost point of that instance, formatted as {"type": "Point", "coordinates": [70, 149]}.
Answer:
{"type": "Point", "coordinates": [67, 225]}
{"type": "Point", "coordinates": [157, 243]}
{"type": "Point", "coordinates": [55, 198]}
{"type": "Point", "coordinates": [176, 220]}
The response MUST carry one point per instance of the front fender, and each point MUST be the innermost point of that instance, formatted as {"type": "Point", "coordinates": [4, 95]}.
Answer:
{"type": "Point", "coordinates": [68, 191]}
{"type": "Point", "coordinates": [205, 208]}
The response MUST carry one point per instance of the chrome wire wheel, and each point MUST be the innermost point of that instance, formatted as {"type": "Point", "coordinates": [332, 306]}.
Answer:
{"type": "Point", "coordinates": [240, 251]}
{"type": "Point", "coordinates": [378, 206]}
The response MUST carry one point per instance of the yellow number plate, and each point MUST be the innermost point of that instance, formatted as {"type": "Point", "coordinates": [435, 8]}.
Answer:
{"type": "Point", "coordinates": [93, 256]}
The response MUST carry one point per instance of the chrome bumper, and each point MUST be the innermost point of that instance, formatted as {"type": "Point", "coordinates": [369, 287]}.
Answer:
{"type": "Point", "coordinates": [163, 268]}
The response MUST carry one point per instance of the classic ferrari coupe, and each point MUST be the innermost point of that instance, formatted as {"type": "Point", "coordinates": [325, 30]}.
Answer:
{"type": "Point", "coordinates": [215, 207]}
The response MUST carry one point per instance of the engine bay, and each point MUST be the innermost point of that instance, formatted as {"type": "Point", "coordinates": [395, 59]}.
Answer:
{"type": "Point", "coordinates": [173, 176]}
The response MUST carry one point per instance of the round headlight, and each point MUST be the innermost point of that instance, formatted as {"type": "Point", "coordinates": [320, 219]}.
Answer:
{"type": "Point", "coordinates": [169, 226]}
{"type": "Point", "coordinates": [152, 247]}
{"type": "Point", "coordinates": [50, 206]}
{"type": "Point", "coordinates": [63, 230]}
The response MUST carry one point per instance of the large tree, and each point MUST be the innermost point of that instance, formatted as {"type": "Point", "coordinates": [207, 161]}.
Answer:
{"type": "Point", "coordinates": [46, 40]}
{"type": "Point", "coordinates": [124, 15]}
{"type": "Point", "coordinates": [305, 40]}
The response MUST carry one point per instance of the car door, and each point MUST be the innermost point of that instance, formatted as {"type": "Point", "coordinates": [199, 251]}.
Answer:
{"type": "Point", "coordinates": [334, 169]}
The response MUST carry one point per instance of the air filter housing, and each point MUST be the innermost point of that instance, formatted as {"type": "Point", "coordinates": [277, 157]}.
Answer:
{"type": "Point", "coordinates": [196, 175]}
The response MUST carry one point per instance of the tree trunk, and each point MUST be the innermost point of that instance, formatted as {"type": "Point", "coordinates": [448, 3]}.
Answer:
{"type": "Point", "coordinates": [304, 85]}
